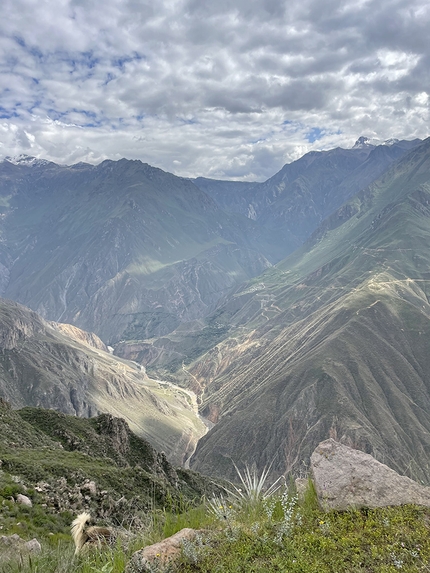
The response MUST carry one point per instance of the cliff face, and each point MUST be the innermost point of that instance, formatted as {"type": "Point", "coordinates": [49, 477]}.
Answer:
{"type": "Point", "coordinates": [41, 366]}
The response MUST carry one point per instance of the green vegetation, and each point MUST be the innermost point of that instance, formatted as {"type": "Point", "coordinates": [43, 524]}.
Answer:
{"type": "Point", "coordinates": [303, 539]}
{"type": "Point", "coordinates": [256, 532]}
{"type": "Point", "coordinates": [96, 464]}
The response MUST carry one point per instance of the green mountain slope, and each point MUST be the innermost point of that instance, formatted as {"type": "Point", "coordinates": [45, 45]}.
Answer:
{"type": "Point", "coordinates": [333, 341]}
{"type": "Point", "coordinates": [96, 464]}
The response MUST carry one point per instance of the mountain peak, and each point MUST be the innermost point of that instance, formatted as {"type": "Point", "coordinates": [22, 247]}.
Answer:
{"type": "Point", "coordinates": [363, 142]}
{"type": "Point", "coordinates": [26, 160]}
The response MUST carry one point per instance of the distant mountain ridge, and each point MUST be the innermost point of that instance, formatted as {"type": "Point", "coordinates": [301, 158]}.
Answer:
{"type": "Point", "coordinates": [121, 249]}
{"type": "Point", "coordinates": [129, 251]}
{"type": "Point", "coordinates": [303, 193]}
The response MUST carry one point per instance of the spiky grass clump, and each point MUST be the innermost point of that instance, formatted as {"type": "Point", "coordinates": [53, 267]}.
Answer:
{"type": "Point", "coordinates": [247, 499]}
{"type": "Point", "coordinates": [254, 488]}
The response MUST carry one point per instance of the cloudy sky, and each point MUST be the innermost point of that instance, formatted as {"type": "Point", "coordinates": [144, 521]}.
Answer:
{"type": "Point", "coordinates": [221, 88]}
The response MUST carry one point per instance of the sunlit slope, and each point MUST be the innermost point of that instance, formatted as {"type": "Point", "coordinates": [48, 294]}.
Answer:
{"type": "Point", "coordinates": [334, 341]}
{"type": "Point", "coordinates": [40, 366]}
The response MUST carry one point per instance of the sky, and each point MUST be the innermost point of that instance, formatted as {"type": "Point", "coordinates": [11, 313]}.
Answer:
{"type": "Point", "coordinates": [227, 89]}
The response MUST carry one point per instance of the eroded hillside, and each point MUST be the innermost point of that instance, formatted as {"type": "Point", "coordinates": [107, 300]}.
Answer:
{"type": "Point", "coordinates": [41, 366]}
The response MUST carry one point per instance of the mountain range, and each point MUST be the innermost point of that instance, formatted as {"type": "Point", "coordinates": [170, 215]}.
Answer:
{"type": "Point", "coordinates": [121, 249]}
{"type": "Point", "coordinates": [296, 309]}
{"type": "Point", "coordinates": [334, 340]}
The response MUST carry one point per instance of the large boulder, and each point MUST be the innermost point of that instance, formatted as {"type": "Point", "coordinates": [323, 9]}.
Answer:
{"type": "Point", "coordinates": [345, 477]}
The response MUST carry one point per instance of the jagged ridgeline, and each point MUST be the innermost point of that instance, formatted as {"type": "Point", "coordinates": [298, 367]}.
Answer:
{"type": "Point", "coordinates": [99, 464]}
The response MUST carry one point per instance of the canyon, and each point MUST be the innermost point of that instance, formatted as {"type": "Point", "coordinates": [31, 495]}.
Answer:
{"type": "Point", "coordinates": [295, 309]}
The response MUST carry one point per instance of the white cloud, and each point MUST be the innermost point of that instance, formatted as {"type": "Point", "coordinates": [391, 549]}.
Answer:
{"type": "Point", "coordinates": [220, 89]}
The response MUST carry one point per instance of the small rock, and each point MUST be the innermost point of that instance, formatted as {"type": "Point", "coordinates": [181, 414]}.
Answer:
{"type": "Point", "coordinates": [159, 554]}
{"type": "Point", "coordinates": [24, 500]}
{"type": "Point", "coordinates": [14, 545]}
{"type": "Point", "coordinates": [91, 487]}
{"type": "Point", "coordinates": [10, 539]}
{"type": "Point", "coordinates": [33, 546]}
{"type": "Point", "coordinates": [345, 477]}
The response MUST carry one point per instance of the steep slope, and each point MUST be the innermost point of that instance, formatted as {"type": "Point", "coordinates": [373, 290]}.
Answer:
{"type": "Point", "coordinates": [303, 193]}
{"type": "Point", "coordinates": [121, 249]}
{"type": "Point", "coordinates": [333, 341]}
{"type": "Point", "coordinates": [94, 464]}
{"type": "Point", "coordinates": [42, 366]}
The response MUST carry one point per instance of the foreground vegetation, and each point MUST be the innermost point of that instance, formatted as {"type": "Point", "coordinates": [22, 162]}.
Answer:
{"type": "Point", "coordinates": [246, 530]}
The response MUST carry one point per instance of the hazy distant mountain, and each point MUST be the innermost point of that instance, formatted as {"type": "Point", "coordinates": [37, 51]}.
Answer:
{"type": "Point", "coordinates": [130, 252]}
{"type": "Point", "coordinates": [42, 365]}
{"type": "Point", "coordinates": [121, 249]}
{"type": "Point", "coordinates": [333, 341]}
{"type": "Point", "coordinates": [303, 193]}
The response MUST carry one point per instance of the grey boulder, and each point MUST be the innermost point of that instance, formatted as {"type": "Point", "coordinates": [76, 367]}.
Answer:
{"type": "Point", "coordinates": [345, 477]}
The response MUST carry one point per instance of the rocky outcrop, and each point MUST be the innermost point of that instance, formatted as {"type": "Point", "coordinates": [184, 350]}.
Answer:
{"type": "Point", "coordinates": [160, 554]}
{"type": "Point", "coordinates": [79, 335]}
{"type": "Point", "coordinates": [71, 464]}
{"type": "Point", "coordinates": [13, 548]}
{"type": "Point", "coordinates": [345, 477]}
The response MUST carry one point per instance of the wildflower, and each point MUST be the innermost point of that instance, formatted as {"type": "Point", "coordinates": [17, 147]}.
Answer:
{"type": "Point", "coordinates": [286, 526]}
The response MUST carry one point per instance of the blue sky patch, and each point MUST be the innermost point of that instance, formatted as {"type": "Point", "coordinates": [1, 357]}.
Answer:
{"type": "Point", "coordinates": [315, 134]}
